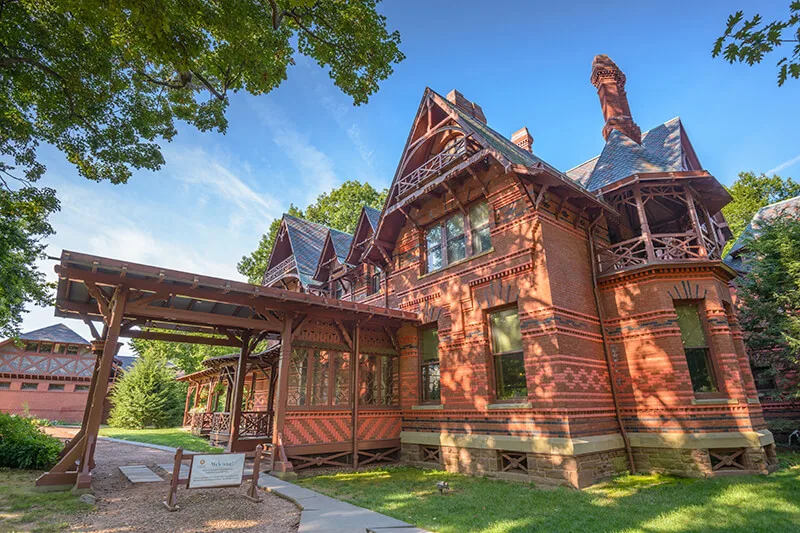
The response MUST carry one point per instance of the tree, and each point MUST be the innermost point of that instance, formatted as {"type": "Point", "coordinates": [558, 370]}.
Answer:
{"type": "Point", "coordinates": [749, 40]}
{"type": "Point", "coordinates": [750, 193]}
{"type": "Point", "coordinates": [187, 357]}
{"type": "Point", "coordinates": [147, 394]}
{"type": "Point", "coordinates": [338, 209]}
{"type": "Point", "coordinates": [104, 82]}
{"type": "Point", "coordinates": [770, 299]}
{"type": "Point", "coordinates": [23, 225]}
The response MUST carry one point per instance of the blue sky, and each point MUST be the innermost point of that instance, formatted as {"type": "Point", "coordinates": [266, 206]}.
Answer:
{"type": "Point", "coordinates": [525, 63]}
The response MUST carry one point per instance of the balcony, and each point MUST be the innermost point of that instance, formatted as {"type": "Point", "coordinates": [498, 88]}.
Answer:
{"type": "Point", "coordinates": [432, 167]}
{"type": "Point", "coordinates": [280, 270]}
{"type": "Point", "coordinates": [658, 248]}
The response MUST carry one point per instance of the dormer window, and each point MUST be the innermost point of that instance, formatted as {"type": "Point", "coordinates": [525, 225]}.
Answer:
{"type": "Point", "coordinates": [449, 241]}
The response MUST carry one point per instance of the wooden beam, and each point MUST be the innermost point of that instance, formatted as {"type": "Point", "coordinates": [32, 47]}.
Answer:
{"type": "Point", "coordinates": [238, 391]}
{"type": "Point", "coordinates": [343, 333]}
{"type": "Point", "coordinates": [480, 183]}
{"type": "Point", "coordinates": [407, 214]}
{"type": "Point", "coordinates": [392, 339]}
{"type": "Point", "coordinates": [461, 206]}
{"type": "Point", "coordinates": [297, 323]}
{"type": "Point", "coordinates": [195, 317]}
{"type": "Point", "coordinates": [175, 337]}
{"type": "Point", "coordinates": [92, 328]}
{"type": "Point", "coordinates": [561, 206]}
{"type": "Point", "coordinates": [356, 364]}
{"type": "Point", "coordinates": [97, 294]}
{"type": "Point", "coordinates": [280, 463]}
{"type": "Point", "coordinates": [541, 196]}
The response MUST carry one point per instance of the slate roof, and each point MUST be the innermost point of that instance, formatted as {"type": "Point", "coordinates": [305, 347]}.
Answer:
{"type": "Point", "coordinates": [341, 243]}
{"type": "Point", "coordinates": [307, 239]}
{"type": "Point", "coordinates": [662, 150]}
{"type": "Point", "coordinates": [126, 361]}
{"type": "Point", "coordinates": [790, 207]}
{"type": "Point", "coordinates": [373, 215]}
{"type": "Point", "coordinates": [55, 333]}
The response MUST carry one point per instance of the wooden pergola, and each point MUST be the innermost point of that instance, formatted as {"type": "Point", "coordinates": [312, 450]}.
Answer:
{"type": "Point", "coordinates": [147, 302]}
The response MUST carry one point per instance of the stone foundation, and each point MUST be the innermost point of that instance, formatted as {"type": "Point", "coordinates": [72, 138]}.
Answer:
{"type": "Point", "coordinates": [577, 471]}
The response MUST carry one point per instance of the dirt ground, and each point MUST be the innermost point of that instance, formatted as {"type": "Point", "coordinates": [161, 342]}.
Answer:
{"type": "Point", "coordinates": [123, 506]}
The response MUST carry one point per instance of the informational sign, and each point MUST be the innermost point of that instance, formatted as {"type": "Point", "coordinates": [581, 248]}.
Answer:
{"type": "Point", "coordinates": [223, 470]}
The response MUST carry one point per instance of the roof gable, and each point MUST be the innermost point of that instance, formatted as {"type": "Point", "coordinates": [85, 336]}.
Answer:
{"type": "Point", "coordinates": [55, 333]}
{"type": "Point", "coordinates": [368, 222]}
{"type": "Point", "coordinates": [336, 246]}
{"type": "Point", "coordinates": [305, 240]}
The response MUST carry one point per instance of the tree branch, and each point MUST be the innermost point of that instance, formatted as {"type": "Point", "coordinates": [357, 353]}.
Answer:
{"type": "Point", "coordinates": [211, 89]}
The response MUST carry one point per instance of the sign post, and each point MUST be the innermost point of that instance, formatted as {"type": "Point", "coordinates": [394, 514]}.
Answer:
{"type": "Point", "coordinates": [213, 471]}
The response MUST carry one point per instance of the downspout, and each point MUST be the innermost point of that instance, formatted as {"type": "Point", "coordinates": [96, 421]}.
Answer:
{"type": "Point", "coordinates": [625, 440]}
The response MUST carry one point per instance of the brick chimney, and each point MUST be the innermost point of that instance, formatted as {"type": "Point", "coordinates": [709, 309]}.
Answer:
{"type": "Point", "coordinates": [523, 139]}
{"type": "Point", "coordinates": [609, 81]}
{"type": "Point", "coordinates": [473, 109]}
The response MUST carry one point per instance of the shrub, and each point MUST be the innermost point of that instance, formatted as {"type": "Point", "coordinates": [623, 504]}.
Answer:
{"type": "Point", "coordinates": [24, 445]}
{"type": "Point", "coordinates": [147, 395]}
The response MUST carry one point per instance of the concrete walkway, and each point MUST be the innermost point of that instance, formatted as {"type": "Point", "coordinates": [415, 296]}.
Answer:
{"type": "Point", "coordinates": [322, 514]}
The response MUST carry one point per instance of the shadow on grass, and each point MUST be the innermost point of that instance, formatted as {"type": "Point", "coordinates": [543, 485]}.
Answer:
{"type": "Point", "coordinates": [646, 503]}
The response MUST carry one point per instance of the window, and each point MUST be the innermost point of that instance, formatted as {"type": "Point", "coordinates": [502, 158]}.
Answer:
{"type": "Point", "coordinates": [509, 363]}
{"type": "Point", "coordinates": [695, 347]}
{"type": "Point", "coordinates": [5, 385]}
{"type": "Point", "coordinates": [60, 348]}
{"type": "Point", "coordinates": [46, 347]}
{"type": "Point", "coordinates": [81, 388]}
{"type": "Point", "coordinates": [319, 377]}
{"type": "Point", "coordinates": [72, 349]}
{"type": "Point", "coordinates": [30, 386]}
{"type": "Point", "coordinates": [374, 281]}
{"type": "Point", "coordinates": [479, 224]}
{"type": "Point", "coordinates": [449, 242]}
{"type": "Point", "coordinates": [55, 387]}
{"type": "Point", "coordinates": [378, 380]}
{"type": "Point", "coordinates": [429, 364]}
{"type": "Point", "coordinates": [32, 347]}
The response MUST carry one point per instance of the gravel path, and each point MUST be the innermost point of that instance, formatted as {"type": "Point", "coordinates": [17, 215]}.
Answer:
{"type": "Point", "coordinates": [124, 507]}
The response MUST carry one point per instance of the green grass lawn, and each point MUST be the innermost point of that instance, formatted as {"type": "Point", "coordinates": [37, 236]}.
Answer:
{"type": "Point", "coordinates": [24, 509]}
{"type": "Point", "coordinates": [642, 503]}
{"type": "Point", "coordinates": [175, 437]}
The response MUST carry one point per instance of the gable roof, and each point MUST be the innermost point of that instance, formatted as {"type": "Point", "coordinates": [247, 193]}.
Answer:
{"type": "Point", "coordinates": [664, 148]}
{"type": "Point", "coordinates": [337, 244]}
{"type": "Point", "coordinates": [306, 239]}
{"type": "Point", "coordinates": [341, 243]}
{"type": "Point", "coordinates": [55, 333]}
{"type": "Point", "coordinates": [789, 207]}
{"type": "Point", "coordinates": [373, 216]}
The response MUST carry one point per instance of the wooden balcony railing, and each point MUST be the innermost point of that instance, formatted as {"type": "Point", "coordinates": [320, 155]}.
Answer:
{"type": "Point", "coordinates": [431, 167]}
{"type": "Point", "coordinates": [255, 424]}
{"type": "Point", "coordinates": [278, 271]}
{"type": "Point", "coordinates": [656, 248]}
{"type": "Point", "coordinates": [221, 423]}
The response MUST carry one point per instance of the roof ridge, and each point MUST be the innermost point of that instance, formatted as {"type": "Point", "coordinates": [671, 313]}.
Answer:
{"type": "Point", "coordinates": [793, 198]}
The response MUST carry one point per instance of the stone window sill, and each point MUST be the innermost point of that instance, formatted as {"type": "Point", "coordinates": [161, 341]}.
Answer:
{"type": "Point", "coordinates": [715, 401]}
{"type": "Point", "coordinates": [427, 407]}
{"type": "Point", "coordinates": [517, 405]}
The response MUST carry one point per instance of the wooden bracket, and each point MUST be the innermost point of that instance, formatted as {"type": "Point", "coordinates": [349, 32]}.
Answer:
{"type": "Point", "coordinates": [296, 326]}
{"type": "Point", "coordinates": [343, 333]}
{"type": "Point", "coordinates": [103, 303]}
{"type": "Point", "coordinates": [461, 206]}
{"type": "Point", "coordinates": [541, 196]}
{"type": "Point", "coordinates": [392, 339]}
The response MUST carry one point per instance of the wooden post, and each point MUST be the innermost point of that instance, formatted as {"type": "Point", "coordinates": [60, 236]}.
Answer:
{"type": "Point", "coordinates": [84, 479]}
{"type": "Point", "coordinates": [189, 390]}
{"type": "Point", "coordinates": [211, 400]}
{"type": "Point", "coordinates": [281, 466]}
{"type": "Point", "coordinates": [172, 497]}
{"type": "Point", "coordinates": [356, 362]}
{"type": "Point", "coordinates": [238, 392]}
{"type": "Point", "coordinates": [698, 232]}
{"type": "Point", "coordinates": [252, 490]}
{"type": "Point", "coordinates": [645, 226]}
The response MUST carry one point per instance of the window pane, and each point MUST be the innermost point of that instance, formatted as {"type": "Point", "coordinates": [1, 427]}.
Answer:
{"type": "Point", "coordinates": [431, 382]}
{"type": "Point", "coordinates": [388, 369]}
{"type": "Point", "coordinates": [369, 380]}
{"type": "Point", "coordinates": [506, 335]}
{"type": "Point", "coordinates": [429, 344]}
{"type": "Point", "coordinates": [45, 347]}
{"type": "Point", "coordinates": [298, 373]}
{"type": "Point", "coordinates": [434, 258]}
{"type": "Point", "coordinates": [456, 248]}
{"type": "Point", "coordinates": [433, 237]}
{"type": "Point", "coordinates": [481, 240]}
{"type": "Point", "coordinates": [55, 387]}
{"type": "Point", "coordinates": [32, 347]}
{"type": "Point", "coordinates": [341, 383]}
{"type": "Point", "coordinates": [692, 333]}
{"type": "Point", "coordinates": [30, 386]}
{"type": "Point", "coordinates": [319, 385]}
{"type": "Point", "coordinates": [454, 226]}
{"type": "Point", "coordinates": [61, 348]}
{"type": "Point", "coordinates": [5, 385]}
{"type": "Point", "coordinates": [81, 388]}
{"type": "Point", "coordinates": [72, 349]}
{"type": "Point", "coordinates": [479, 215]}
{"type": "Point", "coordinates": [510, 369]}
{"type": "Point", "coordinates": [699, 370]}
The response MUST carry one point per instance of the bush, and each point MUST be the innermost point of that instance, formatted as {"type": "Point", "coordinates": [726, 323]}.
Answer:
{"type": "Point", "coordinates": [24, 445]}
{"type": "Point", "coordinates": [147, 395]}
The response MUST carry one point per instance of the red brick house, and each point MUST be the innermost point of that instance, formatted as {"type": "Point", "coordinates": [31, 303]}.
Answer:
{"type": "Point", "coordinates": [46, 374]}
{"type": "Point", "coordinates": [571, 324]}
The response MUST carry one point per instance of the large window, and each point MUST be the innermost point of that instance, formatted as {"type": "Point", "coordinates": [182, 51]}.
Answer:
{"type": "Point", "coordinates": [695, 347]}
{"type": "Point", "coordinates": [429, 364]}
{"type": "Point", "coordinates": [458, 236]}
{"type": "Point", "coordinates": [509, 363]}
{"type": "Point", "coordinates": [378, 375]}
{"type": "Point", "coordinates": [318, 378]}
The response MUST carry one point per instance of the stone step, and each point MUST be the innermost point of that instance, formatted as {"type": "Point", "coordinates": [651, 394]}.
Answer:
{"type": "Point", "coordinates": [139, 474]}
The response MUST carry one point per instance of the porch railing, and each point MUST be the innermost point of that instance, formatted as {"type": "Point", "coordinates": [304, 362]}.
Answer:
{"type": "Point", "coordinates": [252, 423]}
{"type": "Point", "coordinates": [200, 423]}
{"type": "Point", "coordinates": [666, 248]}
{"type": "Point", "coordinates": [221, 423]}
{"type": "Point", "coordinates": [278, 271]}
{"type": "Point", "coordinates": [431, 167]}
{"type": "Point", "coordinates": [255, 424]}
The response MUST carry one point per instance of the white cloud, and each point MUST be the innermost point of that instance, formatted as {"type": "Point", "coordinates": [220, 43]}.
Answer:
{"type": "Point", "coordinates": [784, 165]}
{"type": "Point", "coordinates": [316, 169]}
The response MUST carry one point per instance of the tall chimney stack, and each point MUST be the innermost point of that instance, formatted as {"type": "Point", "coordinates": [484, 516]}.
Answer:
{"type": "Point", "coordinates": [609, 81]}
{"type": "Point", "coordinates": [455, 97]}
{"type": "Point", "coordinates": [522, 138]}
